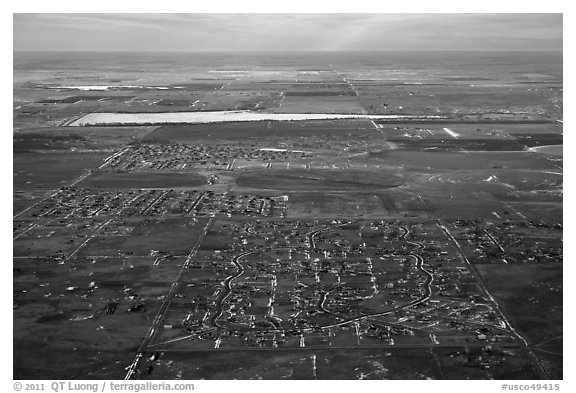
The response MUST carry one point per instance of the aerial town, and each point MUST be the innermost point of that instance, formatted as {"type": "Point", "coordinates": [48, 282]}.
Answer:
{"type": "Point", "coordinates": [270, 217]}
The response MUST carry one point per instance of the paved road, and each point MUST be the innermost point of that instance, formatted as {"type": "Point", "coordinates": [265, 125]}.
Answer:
{"type": "Point", "coordinates": [479, 344]}
{"type": "Point", "coordinates": [419, 265]}
{"type": "Point", "coordinates": [223, 295]}
{"type": "Point", "coordinates": [535, 360]}
{"type": "Point", "coordinates": [153, 330]}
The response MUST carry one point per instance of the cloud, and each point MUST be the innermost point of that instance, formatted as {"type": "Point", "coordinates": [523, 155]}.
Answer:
{"type": "Point", "coordinates": [247, 32]}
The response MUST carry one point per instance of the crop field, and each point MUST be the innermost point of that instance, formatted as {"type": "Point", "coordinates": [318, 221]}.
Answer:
{"type": "Point", "coordinates": [111, 180]}
{"type": "Point", "coordinates": [229, 99]}
{"type": "Point", "coordinates": [85, 138]}
{"type": "Point", "coordinates": [532, 296]}
{"type": "Point", "coordinates": [320, 103]}
{"type": "Point", "coordinates": [314, 180]}
{"type": "Point", "coordinates": [302, 216]}
{"type": "Point", "coordinates": [36, 170]}
{"type": "Point", "coordinates": [465, 160]}
{"type": "Point", "coordinates": [193, 133]}
{"type": "Point", "coordinates": [244, 132]}
{"type": "Point", "coordinates": [447, 99]}
{"type": "Point", "coordinates": [323, 204]}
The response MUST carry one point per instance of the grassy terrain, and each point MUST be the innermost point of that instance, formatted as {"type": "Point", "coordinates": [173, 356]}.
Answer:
{"type": "Point", "coordinates": [110, 180]}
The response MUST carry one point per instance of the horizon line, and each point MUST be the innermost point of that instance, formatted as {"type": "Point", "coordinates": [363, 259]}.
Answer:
{"type": "Point", "coordinates": [284, 51]}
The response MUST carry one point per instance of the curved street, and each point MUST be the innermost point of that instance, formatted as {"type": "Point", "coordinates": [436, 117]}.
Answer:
{"type": "Point", "coordinates": [225, 293]}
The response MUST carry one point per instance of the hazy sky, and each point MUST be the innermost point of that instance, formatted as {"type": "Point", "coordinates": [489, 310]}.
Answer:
{"type": "Point", "coordinates": [249, 32]}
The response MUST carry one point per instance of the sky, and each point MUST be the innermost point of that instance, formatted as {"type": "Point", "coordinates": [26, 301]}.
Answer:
{"type": "Point", "coordinates": [286, 32]}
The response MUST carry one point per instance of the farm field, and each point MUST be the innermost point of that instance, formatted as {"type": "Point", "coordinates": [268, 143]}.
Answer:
{"type": "Point", "coordinates": [51, 170]}
{"type": "Point", "coordinates": [143, 180]}
{"type": "Point", "coordinates": [537, 317]}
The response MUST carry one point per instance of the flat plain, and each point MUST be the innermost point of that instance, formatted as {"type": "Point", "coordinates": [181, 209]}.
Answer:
{"type": "Point", "coordinates": [417, 236]}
